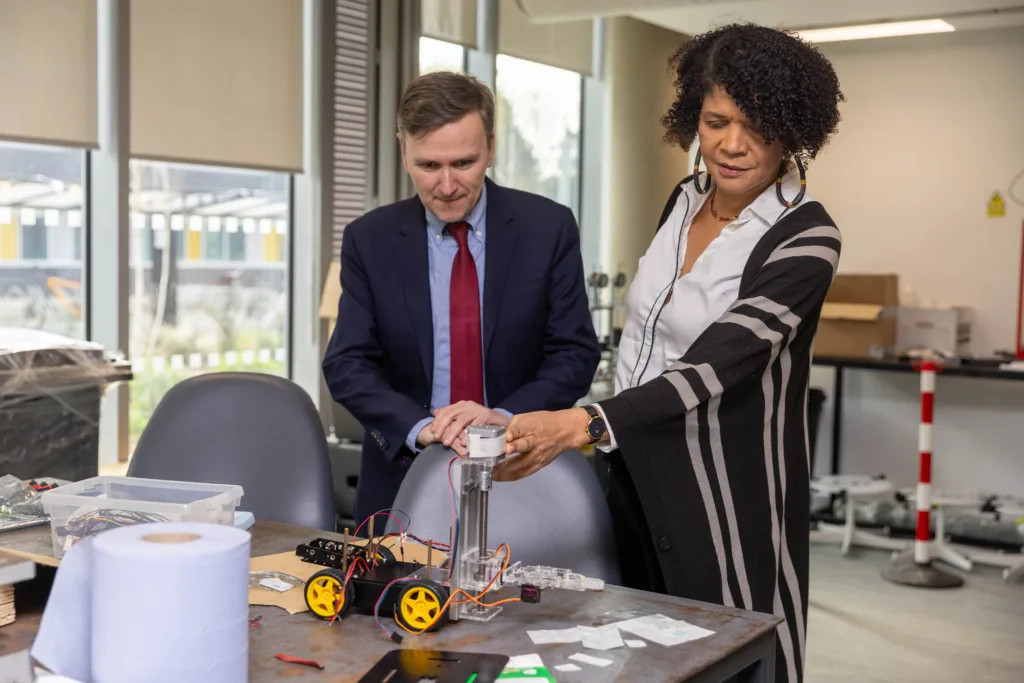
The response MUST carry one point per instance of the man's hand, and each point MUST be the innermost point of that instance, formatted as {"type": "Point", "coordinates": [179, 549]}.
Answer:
{"type": "Point", "coordinates": [451, 421]}
{"type": "Point", "coordinates": [539, 438]}
{"type": "Point", "coordinates": [426, 435]}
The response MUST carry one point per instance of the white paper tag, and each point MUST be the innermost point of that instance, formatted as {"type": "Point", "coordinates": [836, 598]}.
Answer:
{"type": "Point", "coordinates": [635, 643]}
{"type": "Point", "coordinates": [663, 630]}
{"type": "Point", "coordinates": [587, 659]}
{"type": "Point", "coordinates": [568, 635]}
{"type": "Point", "coordinates": [532, 661]}
{"type": "Point", "coordinates": [276, 584]}
{"type": "Point", "coordinates": [600, 637]}
{"type": "Point", "coordinates": [567, 668]}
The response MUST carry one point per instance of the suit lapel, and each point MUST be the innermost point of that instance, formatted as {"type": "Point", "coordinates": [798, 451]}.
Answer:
{"type": "Point", "coordinates": [412, 270]}
{"type": "Point", "coordinates": [500, 251]}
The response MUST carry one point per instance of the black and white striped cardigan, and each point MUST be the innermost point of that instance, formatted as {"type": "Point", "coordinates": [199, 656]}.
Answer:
{"type": "Point", "coordinates": [717, 446]}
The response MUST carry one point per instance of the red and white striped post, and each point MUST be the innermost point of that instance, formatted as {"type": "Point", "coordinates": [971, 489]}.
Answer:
{"type": "Point", "coordinates": [924, 483]}
{"type": "Point", "coordinates": [916, 568]}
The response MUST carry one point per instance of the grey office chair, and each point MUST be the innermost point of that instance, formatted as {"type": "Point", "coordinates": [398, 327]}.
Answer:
{"type": "Point", "coordinates": [557, 517]}
{"type": "Point", "coordinates": [258, 431]}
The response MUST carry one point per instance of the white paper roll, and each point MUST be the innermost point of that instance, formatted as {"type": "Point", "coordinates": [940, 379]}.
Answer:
{"type": "Point", "coordinates": [166, 602]}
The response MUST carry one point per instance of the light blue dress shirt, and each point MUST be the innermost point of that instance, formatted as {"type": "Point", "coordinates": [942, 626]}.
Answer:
{"type": "Point", "coordinates": [441, 252]}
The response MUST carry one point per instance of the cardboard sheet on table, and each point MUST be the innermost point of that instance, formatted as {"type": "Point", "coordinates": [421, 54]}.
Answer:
{"type": "Point", "coordinates": [294, 601]}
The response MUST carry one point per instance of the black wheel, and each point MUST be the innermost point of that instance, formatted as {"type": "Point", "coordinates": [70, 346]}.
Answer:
{"type": "Point", "coordinates": [382, 555]}
{"type": "Point", "coordinates": [327, 595]}
{"type": "Point", "coordinates": [420, 603]}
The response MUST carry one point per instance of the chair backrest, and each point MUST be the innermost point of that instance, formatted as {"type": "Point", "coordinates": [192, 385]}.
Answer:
{"type": "Point", "coordinates": [557, 517]}
{"type": "Point", "coordinates": [346, 462]}
{"type": "Point", "coordinates": [255, 430]}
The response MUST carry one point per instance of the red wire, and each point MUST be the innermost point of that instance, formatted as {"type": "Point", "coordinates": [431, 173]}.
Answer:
{"type": "Point", "coordinates": [1019, 351]}
{"type": "Point", "coordinates": [381, 512]}
{"type": "Point", "coordinates": [348, 577]}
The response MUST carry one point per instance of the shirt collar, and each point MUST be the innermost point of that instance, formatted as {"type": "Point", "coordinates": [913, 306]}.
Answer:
{"type": "Point", "coordinates": [767, 206]}
{"type": "Point", "coordinates": [475, 218]}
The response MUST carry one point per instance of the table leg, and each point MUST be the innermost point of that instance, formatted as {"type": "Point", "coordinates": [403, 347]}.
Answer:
{"type": "Point", "coordinates": [753, 663]}
{"type": "Point", "coordinates": [837, 418]}
{"type": "Point", "coordinates": [763, 670]}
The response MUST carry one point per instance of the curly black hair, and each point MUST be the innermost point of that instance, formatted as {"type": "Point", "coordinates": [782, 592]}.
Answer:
{"type": "Point", "coordinates": [787, 89]}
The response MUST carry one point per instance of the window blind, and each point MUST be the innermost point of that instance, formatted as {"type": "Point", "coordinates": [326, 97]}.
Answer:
{"type": "Point", "coordinates": [351, 116]}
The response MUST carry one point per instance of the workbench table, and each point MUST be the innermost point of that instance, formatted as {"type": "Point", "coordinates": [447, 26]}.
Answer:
{"type": "Point", "coordinates": [743, 644]}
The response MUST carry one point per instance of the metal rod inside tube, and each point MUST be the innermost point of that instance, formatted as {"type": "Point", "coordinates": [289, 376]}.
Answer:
{"type": "Point", "coordinates": [483, 524]}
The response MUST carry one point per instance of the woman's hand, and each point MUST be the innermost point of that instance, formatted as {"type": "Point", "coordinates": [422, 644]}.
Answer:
{"type": "Point", "coordinates": [539, 438]}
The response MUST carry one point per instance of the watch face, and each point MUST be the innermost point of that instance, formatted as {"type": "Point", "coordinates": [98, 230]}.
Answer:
{"type": "Point", "coordinates": [596, 429]}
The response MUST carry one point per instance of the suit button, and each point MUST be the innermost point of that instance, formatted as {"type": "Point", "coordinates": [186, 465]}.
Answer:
{"type": "Point", "coordinates": [664, 544]}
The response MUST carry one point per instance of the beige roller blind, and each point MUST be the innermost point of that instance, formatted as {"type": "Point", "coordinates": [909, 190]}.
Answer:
{"type": "Point", "coordinates": [450, 20]}
{"type": "Point", "coordinates": [217, 81]}
{"type": "Point", "coordinates": [48, 71]}
{"type": "Point", "coordinates": [566, 44]}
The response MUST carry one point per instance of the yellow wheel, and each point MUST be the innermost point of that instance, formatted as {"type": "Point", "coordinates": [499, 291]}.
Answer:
{"type": "Point", "coordinates": [326, 596]}
{"type": "Point", "coordinates": [419, 604]}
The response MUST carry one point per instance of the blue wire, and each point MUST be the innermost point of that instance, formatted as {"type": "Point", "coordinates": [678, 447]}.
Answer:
{"type": "Point", "coordinates": [376, 607]}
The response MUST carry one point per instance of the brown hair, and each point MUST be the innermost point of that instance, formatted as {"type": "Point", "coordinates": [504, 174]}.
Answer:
{"type": "Point", "coordinates": [438, 98]}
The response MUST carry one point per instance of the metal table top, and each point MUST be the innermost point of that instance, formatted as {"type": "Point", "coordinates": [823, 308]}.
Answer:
{"type": "Point", "coordinates": [350, 647]}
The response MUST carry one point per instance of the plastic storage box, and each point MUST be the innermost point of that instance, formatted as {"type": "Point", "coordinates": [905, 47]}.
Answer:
{"type": "Point", "coordinates": [87, 507]}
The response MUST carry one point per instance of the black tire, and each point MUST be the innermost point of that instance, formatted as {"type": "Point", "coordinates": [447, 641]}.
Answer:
{"type": "Point", "coordinates": [321, 586]}
{"type": "Point", "coordinates": [418, 605]}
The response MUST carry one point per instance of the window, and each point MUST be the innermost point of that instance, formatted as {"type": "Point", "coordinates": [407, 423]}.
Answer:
{"type": "Point", "coordinates": [438, 55]}
{"type": "Point", "coordinates": [209, 276]}
{"type": "Point", "coordinates": [41, 235]}
{"type": "Point", "coordinates": [537, 129]}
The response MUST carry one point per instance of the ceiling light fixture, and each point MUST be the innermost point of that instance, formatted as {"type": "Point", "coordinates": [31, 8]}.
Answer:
{"type": "Point", "coordinates": [886, 30]}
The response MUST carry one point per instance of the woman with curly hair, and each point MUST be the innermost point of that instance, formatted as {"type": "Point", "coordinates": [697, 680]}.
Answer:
{"type": "Point", "coordinates": [707, 433]}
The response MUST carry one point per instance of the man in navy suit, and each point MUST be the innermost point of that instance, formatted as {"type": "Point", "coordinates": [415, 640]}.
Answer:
{"type": "Point", "coordinates": [465, 304]}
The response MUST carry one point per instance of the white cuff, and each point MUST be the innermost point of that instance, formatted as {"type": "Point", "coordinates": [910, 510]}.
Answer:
{"type": "Point", "coordinates": [612, 443]}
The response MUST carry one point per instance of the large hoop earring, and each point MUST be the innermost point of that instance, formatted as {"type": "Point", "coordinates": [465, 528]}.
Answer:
{"type": "Point", "coordinates": [696, 175]}
{"type": "Point", "coordinates": [803, 184]}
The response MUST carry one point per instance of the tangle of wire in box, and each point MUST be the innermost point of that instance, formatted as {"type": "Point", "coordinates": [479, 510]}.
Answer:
{"type": "Point", "coordinates": [87, 522]}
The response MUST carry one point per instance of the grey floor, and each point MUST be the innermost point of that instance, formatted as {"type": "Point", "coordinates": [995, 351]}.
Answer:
{"type": "Point", "coordinates": [863, 629]}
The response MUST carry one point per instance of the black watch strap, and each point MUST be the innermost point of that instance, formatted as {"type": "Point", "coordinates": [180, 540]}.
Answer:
{"type": "Point", "coordinates": [596, 427]}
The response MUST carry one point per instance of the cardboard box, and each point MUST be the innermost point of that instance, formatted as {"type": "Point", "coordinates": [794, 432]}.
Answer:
{"type": "Point", "coordinates": [858, 318]}
{"type": "Point", "coordinates": [947, 330]}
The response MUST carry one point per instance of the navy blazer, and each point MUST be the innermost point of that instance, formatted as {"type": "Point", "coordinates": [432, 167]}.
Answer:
{"type": "Point", "coordinates": [539, 345]}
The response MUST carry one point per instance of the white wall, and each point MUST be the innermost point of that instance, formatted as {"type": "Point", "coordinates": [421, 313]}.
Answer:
{"type": "Point", "coordinates": [932, 126]}
{"type": "Point", "coordinates": [640, 170]}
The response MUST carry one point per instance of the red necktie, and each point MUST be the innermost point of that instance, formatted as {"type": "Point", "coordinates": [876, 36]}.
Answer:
{"type": "Point", "coordinates": [467, 383]}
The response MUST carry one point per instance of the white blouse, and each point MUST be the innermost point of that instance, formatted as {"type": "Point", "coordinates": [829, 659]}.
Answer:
{"type": "Point", "coordinates": [657, 334]}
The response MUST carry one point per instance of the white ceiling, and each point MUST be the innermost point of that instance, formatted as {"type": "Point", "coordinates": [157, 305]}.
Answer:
{"type": "Point", "coordinates": [692, 17]}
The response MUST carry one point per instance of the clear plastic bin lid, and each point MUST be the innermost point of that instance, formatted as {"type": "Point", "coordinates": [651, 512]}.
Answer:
{"type": "Point", "coordinates": [133, 489]}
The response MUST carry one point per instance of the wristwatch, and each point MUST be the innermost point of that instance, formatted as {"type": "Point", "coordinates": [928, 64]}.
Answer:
{"type": "Point", "coordinates": [596, 427]}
